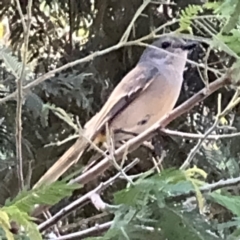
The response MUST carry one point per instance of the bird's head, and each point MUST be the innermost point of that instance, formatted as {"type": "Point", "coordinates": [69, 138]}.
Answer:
{"type": "Point", "coordinates": [169, 50]}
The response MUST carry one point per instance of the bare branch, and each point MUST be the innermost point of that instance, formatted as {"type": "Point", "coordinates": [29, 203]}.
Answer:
{"type": "Point", "coordinates": [88, 232]}
{"type": "Point", "coordinates": [21, 16]}
{"type": "Point", "coordinates": [19, 92]}
{"type": "Point", "coordinates": [97, 201]}
{"type": "Point", "coordinates": [135, 17]}
{"type": "Point", "coordinates": [199, 144]}
{"type": "Point", "coordinates": [198, 136]}
{"type": "Point", "coordinates": [234, 102]}
{"type": "Point", "coordinates": [210, 187]}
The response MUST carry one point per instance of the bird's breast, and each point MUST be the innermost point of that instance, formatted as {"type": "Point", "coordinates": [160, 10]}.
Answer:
{"type": "Point", "coordinates": [149, 107]}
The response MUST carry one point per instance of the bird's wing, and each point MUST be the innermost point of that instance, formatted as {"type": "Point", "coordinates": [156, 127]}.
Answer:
{"type": "Point", "coordinates": [126, 92]}
{"type": "Point", "coordinates": [131, 86]}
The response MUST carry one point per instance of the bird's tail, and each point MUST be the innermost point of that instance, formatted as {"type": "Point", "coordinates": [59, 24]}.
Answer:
{"type": "Point", "coordinates": [70, 157]}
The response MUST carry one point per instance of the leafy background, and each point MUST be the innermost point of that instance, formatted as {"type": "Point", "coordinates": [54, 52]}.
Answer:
{"type": "Point", "coordinates": [64, 31]}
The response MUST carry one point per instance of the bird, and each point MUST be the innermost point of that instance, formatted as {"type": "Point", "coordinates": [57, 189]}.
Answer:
{"type": "Point", "coordinates": [145, 95]}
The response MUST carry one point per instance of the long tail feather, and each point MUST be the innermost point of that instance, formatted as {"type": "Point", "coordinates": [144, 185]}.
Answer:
{"type": "Point", "coordinates": [70, 157]}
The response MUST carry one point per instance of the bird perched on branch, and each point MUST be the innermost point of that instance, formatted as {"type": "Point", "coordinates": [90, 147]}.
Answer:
{"type": "Point", "coordinates": [145, 95]}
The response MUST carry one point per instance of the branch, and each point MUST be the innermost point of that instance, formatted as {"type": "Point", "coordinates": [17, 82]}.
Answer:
{"type": "Point", "coordinates": [99, 229]}
{"type": "Point", "coordinates": [135, 17]}
{"type": "Point", "coordinates": [209, 188]}
{"type": "Point", "coordinates": [86, 233]}
{"type": "Point", "coordinates": [198, 136]}
{"type": "Point", "coordinates": [82, 201]}
{"type": "Point", "coordinates": [19, 92]}
{"type": "Point", "coordinates": [199, 144]}
{"type": "Point", "coordinates": [220, 184]}
{"type": "Point", "coordinates": [97, 201]}
{"type": "Point", "coordinates": [21, 16]}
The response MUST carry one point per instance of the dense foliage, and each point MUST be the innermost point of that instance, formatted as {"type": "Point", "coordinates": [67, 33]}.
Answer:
{"type": "Point", "coordinates": [160, 203]}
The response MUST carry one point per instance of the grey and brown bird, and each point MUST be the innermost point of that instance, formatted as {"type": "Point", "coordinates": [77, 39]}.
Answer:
{"type": "Point", "coordinates": [145, 95]}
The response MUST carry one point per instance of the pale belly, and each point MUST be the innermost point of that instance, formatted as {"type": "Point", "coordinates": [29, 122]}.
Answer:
{"type": "Point", "coordinates": [157, 101]}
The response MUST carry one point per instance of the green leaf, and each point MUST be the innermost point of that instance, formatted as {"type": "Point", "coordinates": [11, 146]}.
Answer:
{"type": "Point", "coordinates": [169, 183]}
{"type": "Point", "coordinates": [5, 224]}
{"type": "Point", "coordinates": [19, 208]}
{"type": "Point", "coordinates": [24, 220]}
{"type": "Point", "coordinates": [49, 195]}
{"type": "Point", "coordinates": [230, 202]}
{"type": "Point", "coordinates": [176, 224]}
{"type": "Point", "coordinates": [226, 8]}
{"type": "Point", "coordinates": [233, 20]}
{"type": "Point", "coordinates": [212, 5]}
{"type": "Point", "coordinates": [229, 224]}
{"type": "Point", "coordinates": [13, 65]}
{"type": "Point", "coordinates": [187, 15]}
{"type": "Point", "coordinates": [232, 41]}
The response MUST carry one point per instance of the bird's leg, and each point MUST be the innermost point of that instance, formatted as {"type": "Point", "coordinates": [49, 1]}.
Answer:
{"type": "Point", "coordinates": [157, 143]}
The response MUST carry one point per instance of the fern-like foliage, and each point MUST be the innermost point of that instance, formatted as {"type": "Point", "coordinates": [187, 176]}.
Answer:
{"type": "Point", "coordinates": [49, 195]}
{"type": "Point", "coordinates": [227, 38]}
{"type": "Point", "coordinates": [147, 210]}
{"type": "Point", "coordinates": [212, 5]}
{"type": "Point", "coordinates": [76, 86]}
{"type": "Point", "coordinates": [13, 65]}
{"type": "Point", "coordinates": [18, 209]}
{"type": "Point", "coordinates": [187, 15]}
{"type": "Point", "coordinates": [145, 213]}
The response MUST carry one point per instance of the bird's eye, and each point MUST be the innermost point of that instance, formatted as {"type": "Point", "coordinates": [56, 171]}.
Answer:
{"type": "Point", "coordinates": [166, 45]}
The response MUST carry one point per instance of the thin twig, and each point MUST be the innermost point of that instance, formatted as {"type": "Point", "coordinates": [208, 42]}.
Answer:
{"type": "Point", "coordinates": [78, 224]}
{"type": "Point", "coordinates": [156, 164]}
{"type": "Point", "coordinates": [198, 136]}
{"type": "Point", "coordinates": [205, 71]}
{"type": "Point", "coordinates": [210, 187]}
{"type": "Point", "coordinates": [21, 16]}
{"type": "Point", "coordinates": [233, 103]}
{"type": "Point", "coordinates": [48, 215]}
{"type": "Point", "coordinates": [206, 23]}
{"type": "Point", "coordinates": [19, 90]}
{"type": "Point", "coordinates": [97, 201]}
{"type": "Point", "coordinates": [59, 143]}
{"type": "Point", "coordinates": [112, 157]}
{"type": "Point", "coordinates": [220, 184]}
{"type": "Point", "coordinates": [98, 229]}
{"type": "Point", "coordinates": [200, 141]}
{"type": "Point", "coordinates": [135, 17]}
{"type": "Point", "coordinates": [92, 144]}
{"type": "Point", "coordinates": [86, 233]}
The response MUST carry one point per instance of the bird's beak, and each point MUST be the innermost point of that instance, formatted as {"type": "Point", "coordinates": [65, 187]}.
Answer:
{"type": "Point", "coordinates": [189, 46]}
